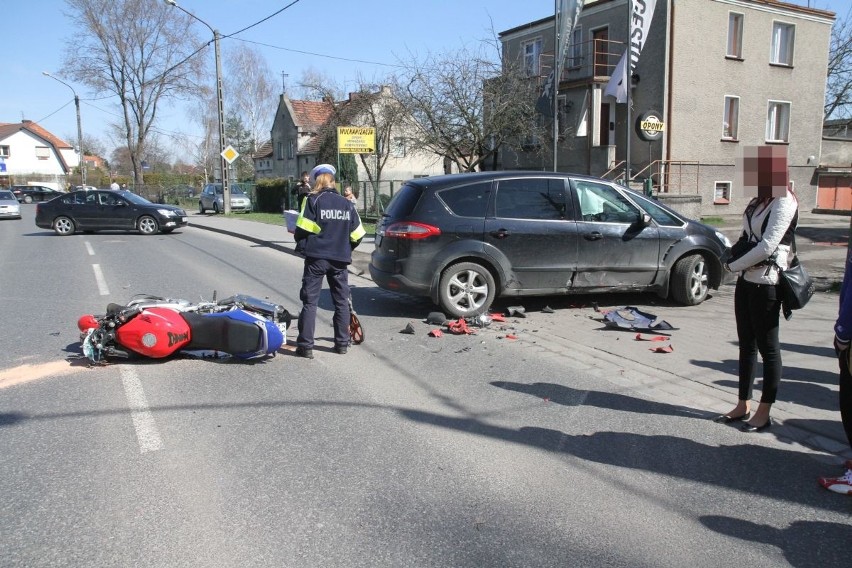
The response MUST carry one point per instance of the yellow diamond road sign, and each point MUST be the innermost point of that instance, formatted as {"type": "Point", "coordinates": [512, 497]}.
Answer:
{"type": "Point", "coordinates": [230, 154]}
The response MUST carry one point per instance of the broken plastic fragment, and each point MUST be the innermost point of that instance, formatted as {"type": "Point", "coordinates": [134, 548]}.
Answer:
{"type": "Point", "coordinates": [460, 327]}
{"type": "Point", "coordinates": [436, 333]}
{"type": "Point", "coordinates": [510, 336]}
{"type": "Point", "coordinates": [666, 349]}
{"type": "Point", "coordinates": [409, 329]}
{"type": "Point", "coordinates": [547, 310]}
{"type": "Point", "coordinates": [436, 318]}
{"type": "Point", "coordinates": [518, 311]}
{"type": "Point", "coordinates": [635, 319]}
{"type": "Point", "coordinates": [655, 338]}
{"type": "Point", "coordinates": [497, 317]}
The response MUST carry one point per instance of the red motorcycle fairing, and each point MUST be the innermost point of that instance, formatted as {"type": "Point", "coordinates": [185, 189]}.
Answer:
{"type": "Point", "coordinates": [156, 332]}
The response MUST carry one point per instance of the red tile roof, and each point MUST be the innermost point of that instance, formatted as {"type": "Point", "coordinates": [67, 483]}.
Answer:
{"type": "Point", "coordinates": [311, 115]}
{"type": "Point", "coordinates": [7, 129]}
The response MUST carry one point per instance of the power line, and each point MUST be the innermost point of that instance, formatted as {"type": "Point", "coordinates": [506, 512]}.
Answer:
{"type": "Point", "coordinates": [264, 19]}
{"type": "Point", "coordinates": [318, 54]}
{"type": "Point", "coordinates": [54, 112]}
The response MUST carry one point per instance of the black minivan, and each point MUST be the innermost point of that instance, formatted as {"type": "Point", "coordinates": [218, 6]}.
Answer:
{"type": "Point", "coordinates": [464, 239]}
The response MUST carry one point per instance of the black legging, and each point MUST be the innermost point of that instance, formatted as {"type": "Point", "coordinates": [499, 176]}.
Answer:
{"type": "Point", "coordinates": [756, 308]}
{"type": "Point", "coordinates": [846, 394]}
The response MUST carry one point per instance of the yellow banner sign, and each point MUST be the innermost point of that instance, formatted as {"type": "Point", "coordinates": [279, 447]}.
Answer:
{"type": "Point", "coordinates": [652, 126]}
{"type": "Point", "coordinates": [356, 140]}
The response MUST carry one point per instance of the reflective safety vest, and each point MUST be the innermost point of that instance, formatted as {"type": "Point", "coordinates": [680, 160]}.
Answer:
{"type": "Point", "coordinates": [328, 227]}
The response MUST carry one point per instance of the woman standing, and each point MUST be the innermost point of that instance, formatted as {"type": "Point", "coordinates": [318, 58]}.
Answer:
{"type": "Point", "coordinates": [327, 230]}
{"type": "Point", "coordinates": [768, 222]}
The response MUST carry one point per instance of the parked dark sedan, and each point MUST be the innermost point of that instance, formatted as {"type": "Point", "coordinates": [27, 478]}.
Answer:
{"type": "Point", "coordinates": [31, 193]}
{"type": "Point", "coordinates": [465, 239]}
{"type": "Point", "coordinates": [106, 209]}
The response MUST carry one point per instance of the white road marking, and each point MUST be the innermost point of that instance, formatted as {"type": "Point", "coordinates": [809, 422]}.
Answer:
{"type": "Point", "coordinates": [99, 278]}
{"type": "Point", "coordinates": [90, 249]}
{"type": "Point", "coordinates": [143, 420]}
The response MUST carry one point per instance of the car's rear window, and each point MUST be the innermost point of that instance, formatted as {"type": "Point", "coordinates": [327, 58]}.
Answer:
{"type": "Point", "coordinates": [403, 202]}
{"type": "Point", "coordinates": [7, 196]}
{"type": "Point", "coordinates": [467, 200]}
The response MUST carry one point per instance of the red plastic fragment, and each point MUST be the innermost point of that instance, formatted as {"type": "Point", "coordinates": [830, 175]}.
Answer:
{"type": "Point", "coordinates": [655, 338]}
{"type": "Point", "coordinates": [510, 336]}
{"type": "Point", "coordinates": [666, 349]}
{"type": "Point", "coordinates": [436, 333]}
{"type": "Point", "coordinates": [497, 317]}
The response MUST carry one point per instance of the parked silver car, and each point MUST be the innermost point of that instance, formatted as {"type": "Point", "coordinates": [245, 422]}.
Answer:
{"type": "Point", "coordinates": [9, 206]}
{"type": "Point", "coordinates": [212, 198]}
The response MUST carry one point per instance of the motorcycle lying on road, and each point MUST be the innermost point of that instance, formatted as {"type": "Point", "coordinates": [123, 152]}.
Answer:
{"type": "Point", "coordinates": [151, 326]}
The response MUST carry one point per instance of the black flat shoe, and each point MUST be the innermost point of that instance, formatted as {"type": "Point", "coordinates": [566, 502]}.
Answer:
{"type": "Point", "coordinates": [725, 419]}
{"type": "Point", "coordinates": [749, 428]}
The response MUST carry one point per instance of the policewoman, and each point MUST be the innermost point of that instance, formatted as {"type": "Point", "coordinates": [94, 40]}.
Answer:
{"type": "Point", "coordinates": [327, 231]}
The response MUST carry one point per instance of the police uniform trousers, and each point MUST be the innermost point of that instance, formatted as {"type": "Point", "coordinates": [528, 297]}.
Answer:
{"type": "Point", "coordinates": [337, 275]}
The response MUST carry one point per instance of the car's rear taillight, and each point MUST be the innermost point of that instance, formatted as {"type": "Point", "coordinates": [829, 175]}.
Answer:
{"type": "Point", "coordinates": [409, 230]}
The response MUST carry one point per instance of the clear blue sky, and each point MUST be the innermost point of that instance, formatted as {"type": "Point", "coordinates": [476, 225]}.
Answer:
{"type": "Point", "coordinates": [377, 31]}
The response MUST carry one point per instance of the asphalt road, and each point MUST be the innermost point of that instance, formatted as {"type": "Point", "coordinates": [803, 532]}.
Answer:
{"type": "Point", "coordinates": [409, 451]}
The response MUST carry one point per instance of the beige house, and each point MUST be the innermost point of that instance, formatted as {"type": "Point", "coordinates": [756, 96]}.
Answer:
{"type": "Point", "coordinates": [719, 74]}
{"type": "Point", "coordinates": [299, 127]}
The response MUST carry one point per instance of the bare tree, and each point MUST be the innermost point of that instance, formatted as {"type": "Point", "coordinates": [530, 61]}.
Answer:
{"type": "Point", "coordinates": [372, 105]}
{"type": "Point", "coordinates": [838, 88]}
{"type": "Point", "coordinates": [250, 90]}
{"type": "Point", "coordinates": [468, 104]}
{"type": "Point", "coordinates": [138, 50]}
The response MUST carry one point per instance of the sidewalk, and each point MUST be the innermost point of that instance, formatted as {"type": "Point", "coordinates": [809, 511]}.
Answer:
{"type": "Point", "coordinates": [700, 373]}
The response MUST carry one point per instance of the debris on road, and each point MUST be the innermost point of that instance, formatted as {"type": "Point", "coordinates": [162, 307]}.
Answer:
{"type": "Point", "coordinates": [667, 349]}
{"type": "Point", "coordinates": [409, 329]}
{"type": "Point", "coordinates": [632, 318]}
{"type": "Point", "coordinates": [436, 333]}
{"type": "Point", "coordinates": [655, 338]}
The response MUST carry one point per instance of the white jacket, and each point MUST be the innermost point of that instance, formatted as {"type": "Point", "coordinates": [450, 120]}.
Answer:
{"type": "Point", "coordinates": [781, 211]}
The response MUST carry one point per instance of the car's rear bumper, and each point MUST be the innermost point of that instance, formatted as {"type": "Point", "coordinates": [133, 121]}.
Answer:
{"type": "Point", "coordinates": [398, 283]}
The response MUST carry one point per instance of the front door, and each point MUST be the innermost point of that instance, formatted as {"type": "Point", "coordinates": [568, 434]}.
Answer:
{"type": "Point", "coordinates": [533, 228]}
{"type": "Point", "coordinates": [604, 125]}
{"type": "Point", "coordinates": [615, 250]}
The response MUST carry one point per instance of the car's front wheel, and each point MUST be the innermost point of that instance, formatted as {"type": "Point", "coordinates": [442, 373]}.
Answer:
{"type": "Point", "coordinates": [148, 225]}
{"type": "Point", "coordinates": [201, 208]}
{"type": "Point", "coordinates": [466, 289]}
{"type": "Point", "coordinates": [64, 226]}
{"type": "Point", "coordinates": [215, 208]}
{"type": "Point", "coordinates": [689, 280]}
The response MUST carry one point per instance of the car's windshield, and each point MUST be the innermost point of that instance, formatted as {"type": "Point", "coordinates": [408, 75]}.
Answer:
{"type": "Point", "coordinates": [133, 198]}
{"type": "Point", "coordinates": [7, 196]}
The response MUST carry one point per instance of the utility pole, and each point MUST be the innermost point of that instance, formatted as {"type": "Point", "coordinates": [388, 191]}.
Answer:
{"type": "Point", "coordinates": [220, 107]}
{"type": "Point", "coordinates": [79, 128]}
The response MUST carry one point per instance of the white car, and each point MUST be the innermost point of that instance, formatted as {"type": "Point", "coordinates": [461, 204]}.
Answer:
{"type": "Point", "coordinates": [9, 206]}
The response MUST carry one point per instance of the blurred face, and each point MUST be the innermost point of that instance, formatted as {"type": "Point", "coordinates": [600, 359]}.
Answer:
{"type": "Point", "coordinates": [305, 178]}
{"type": "Point", "coordinates": [347, 192]}
{"type": "Point", "coordinates": [764, 172]}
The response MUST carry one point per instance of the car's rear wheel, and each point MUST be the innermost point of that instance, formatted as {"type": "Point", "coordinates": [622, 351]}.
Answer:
{"type": "Point", "coordinates": [689, 280]}
{"type": "Point", "coordinates": [28, 199]}
{"type": "Point", "coordinates": [64, 226]}
{"type": "Point", "coordinates": [215, 208]}
{"type": "Point", "coordinates": [201, 208]}
{"type": "Point", "coordinates": [148, 225]}
{"type": "Point", "coordinates": [466, 289]}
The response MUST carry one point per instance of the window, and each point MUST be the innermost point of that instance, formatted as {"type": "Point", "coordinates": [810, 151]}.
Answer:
{"type": "Point", "coordinates": [583, 117]}
{"type": "Point", "coordinates": [778, 122]}
{"type": "Point", "coordinates": [575, 52]}
{"type": "Point", "coordinates": [467, 200]}
{"type": "Point", "coordinates": [42, 152]}
{"type": "Point", "coordinates": [531, 51]}
{"type": "Point", "coordinates": [722, 193]}
{"type": "Point", "coordinates": [4, 151]}
{"type": "Point", "coordinates": [291, 151]}
{"type": "Point", "coordinates": [731, 118]}
{"type": "Point", "coordinates": [280, 150]}
{"type": "Point", "coordinates": [603, 204]}
{"type": "Point", "coordinates": [735, 35]}
{"type": "Point", "coordinates": [783, 37]}
{"type": "Point", "coordinates": [397, 149]}
{"type": "Point", "coordinates": [531, 198]}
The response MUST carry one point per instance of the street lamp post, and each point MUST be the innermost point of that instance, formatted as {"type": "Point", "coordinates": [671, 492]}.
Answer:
{"type": "Point", "coordinates": [79, 128]}
{"type": "Point", "coordinates": [220, 107]}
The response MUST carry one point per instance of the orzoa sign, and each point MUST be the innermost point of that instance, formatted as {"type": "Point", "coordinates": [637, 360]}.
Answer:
{"type": "Point", "coordinates": [356, 140]}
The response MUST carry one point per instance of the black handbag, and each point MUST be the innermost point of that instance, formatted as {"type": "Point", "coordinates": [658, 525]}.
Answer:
{"type": "Point", "coordinates": [796, 286]}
